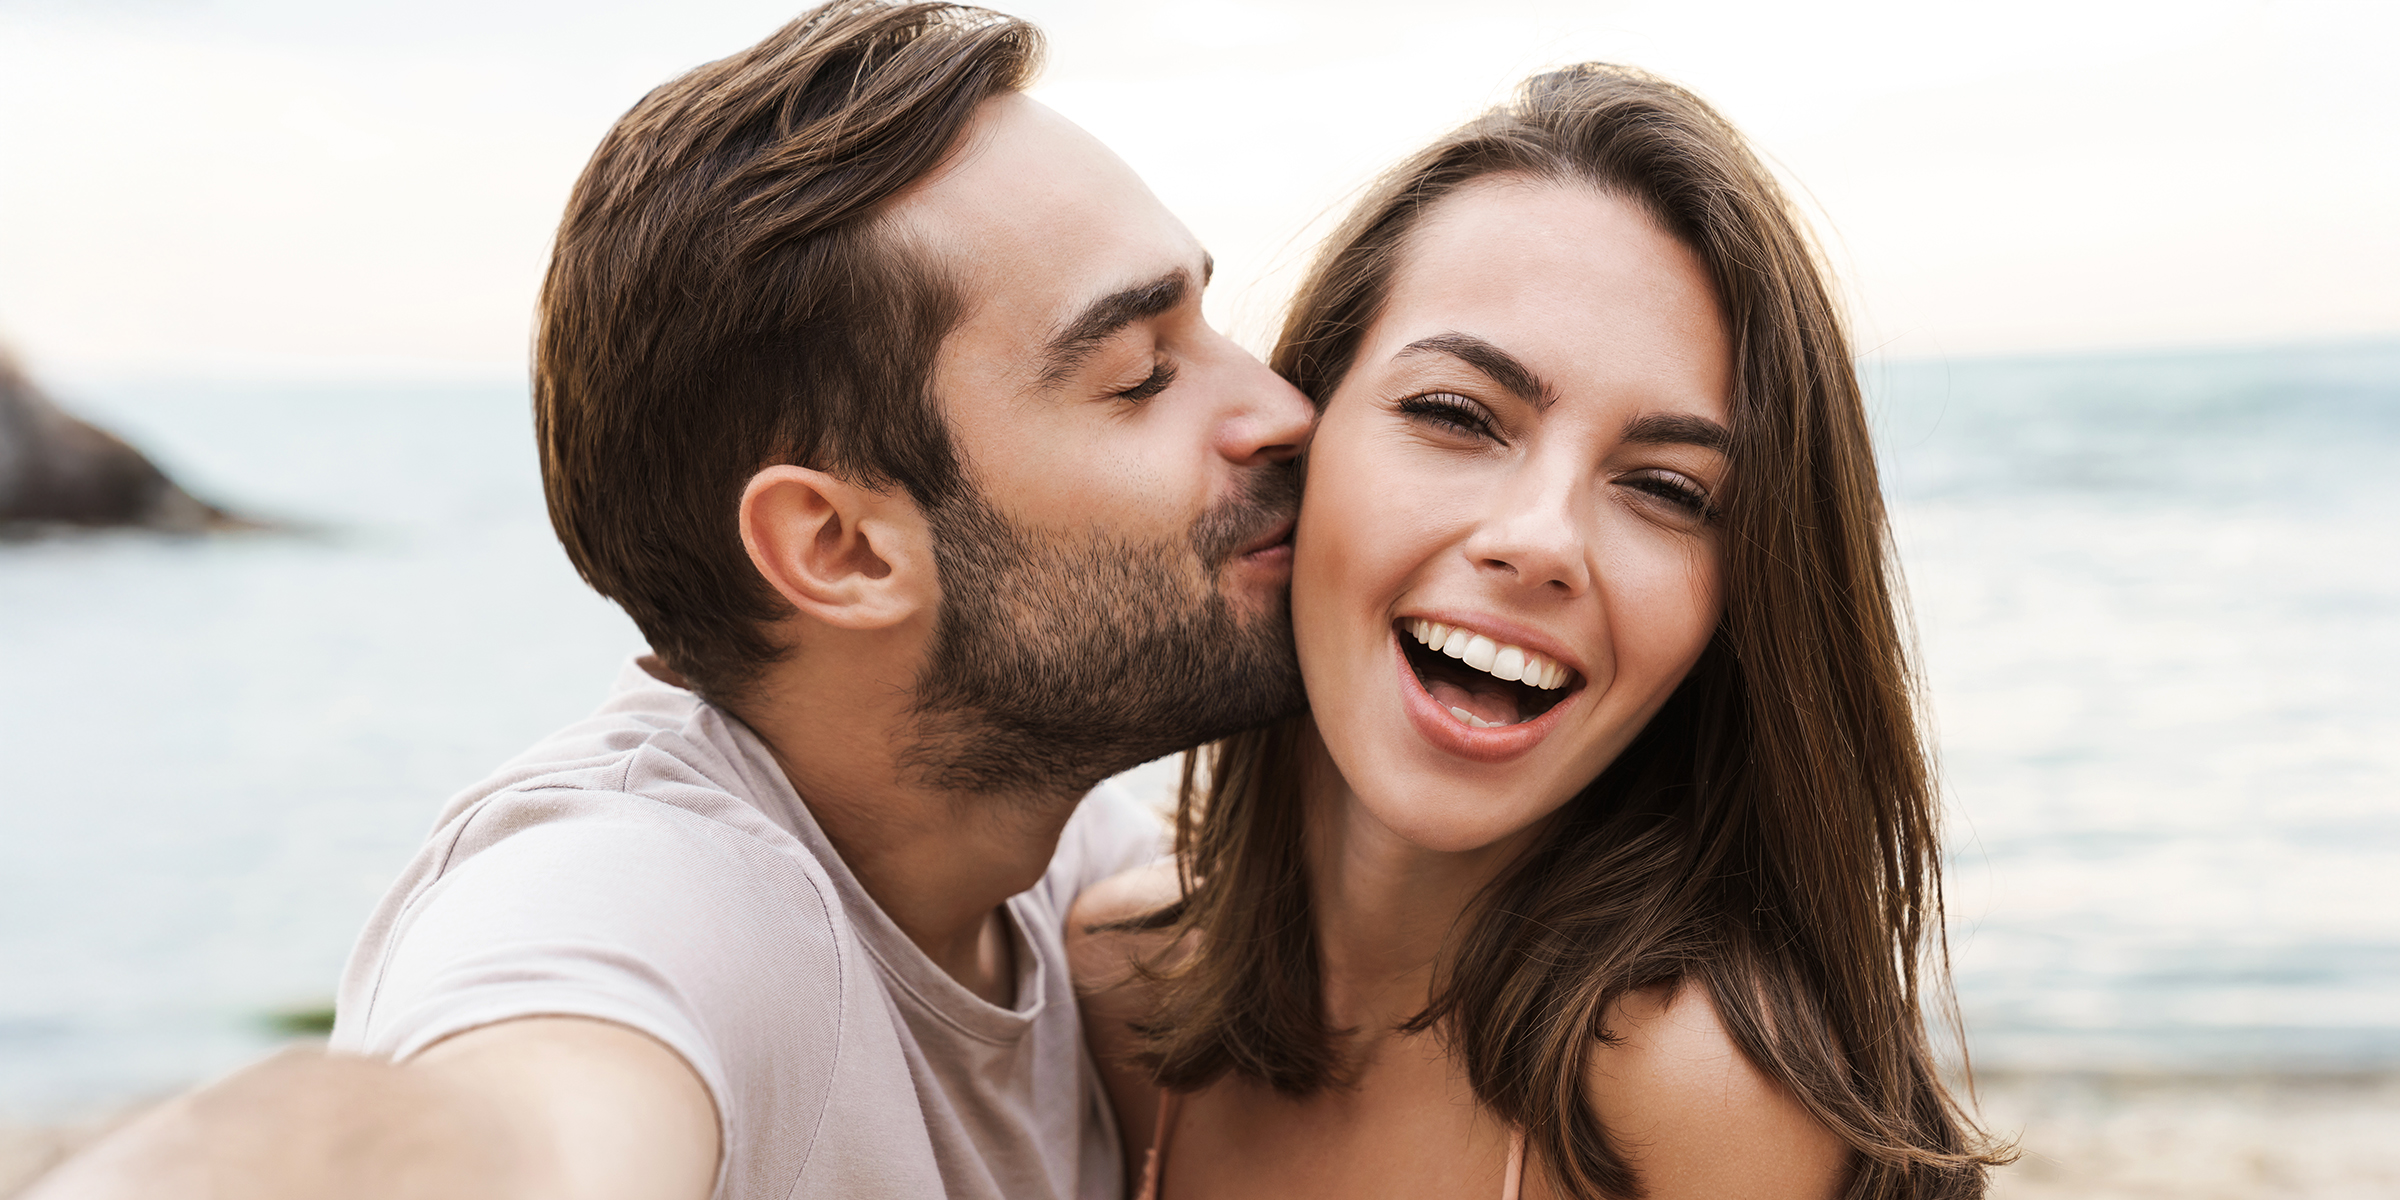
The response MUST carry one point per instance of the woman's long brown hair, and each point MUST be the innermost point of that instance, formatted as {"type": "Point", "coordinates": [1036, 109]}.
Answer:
{"type": "Point", "coordinates": [1770, 835]}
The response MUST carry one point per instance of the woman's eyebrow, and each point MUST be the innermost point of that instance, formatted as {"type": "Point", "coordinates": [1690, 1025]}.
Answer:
{"type": "Point", "coordinates": [1679, 429]}
{"type": "Point", "coordinates": [1499, 365]}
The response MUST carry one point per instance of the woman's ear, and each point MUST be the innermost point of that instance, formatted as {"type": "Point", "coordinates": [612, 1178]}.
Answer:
{"type": "Point", "coordinates": [849, 556]}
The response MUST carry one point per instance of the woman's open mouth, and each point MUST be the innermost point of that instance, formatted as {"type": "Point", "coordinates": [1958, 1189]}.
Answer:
{"type": "Point", "coordinates": [1490, 696]}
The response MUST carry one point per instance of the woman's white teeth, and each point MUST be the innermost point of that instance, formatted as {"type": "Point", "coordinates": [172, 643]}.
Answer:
{"type": "Point", "coordinates": [1509, 663]}
{"type": "Point", "coordinates": [1492, 658]}
{"type": "Point", "coordinates": [1481, 652]}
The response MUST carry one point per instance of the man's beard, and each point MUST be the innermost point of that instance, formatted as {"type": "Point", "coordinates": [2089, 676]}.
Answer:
{"type": "Point", "coordinates": [1058, 661]}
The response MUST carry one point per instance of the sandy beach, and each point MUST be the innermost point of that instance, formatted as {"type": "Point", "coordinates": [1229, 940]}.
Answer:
{"type": "Point", "coordinates": [2085, 1137]}
{"type": "Point", "coordinates": [2122, 1137]}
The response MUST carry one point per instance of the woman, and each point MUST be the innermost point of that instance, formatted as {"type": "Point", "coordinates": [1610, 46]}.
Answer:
{"type": "Point", "coordinates": [1606, 861]}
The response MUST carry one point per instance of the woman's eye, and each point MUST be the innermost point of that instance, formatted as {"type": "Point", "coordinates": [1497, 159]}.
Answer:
{"type": "Point", "coordinates": [1453, 411]}
{"type": "Point", "coordinates": [1160, 376]}
{"type": "Point", "coordinates": [1675, 491]}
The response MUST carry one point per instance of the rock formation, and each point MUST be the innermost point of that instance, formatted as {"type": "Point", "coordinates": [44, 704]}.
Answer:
{"type": "Point", "coordinates": [56, 469]}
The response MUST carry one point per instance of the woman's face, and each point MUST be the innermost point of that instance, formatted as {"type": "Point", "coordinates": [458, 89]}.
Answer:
{"type": "Point", "coordinates": [1506, 559]}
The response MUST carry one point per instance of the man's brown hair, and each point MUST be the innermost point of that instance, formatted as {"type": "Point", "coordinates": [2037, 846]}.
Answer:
{"type": "Point", "coordinates": [723, 298]}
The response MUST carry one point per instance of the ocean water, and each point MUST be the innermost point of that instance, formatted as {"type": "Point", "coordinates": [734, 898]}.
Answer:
{"type": "Point", "coordinates": [216, 754]}
{"type": "Point", "coordinates": [2159, 602]}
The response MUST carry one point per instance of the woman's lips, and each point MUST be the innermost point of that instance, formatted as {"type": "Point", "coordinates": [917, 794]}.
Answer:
{"type": "Point", "coordinates": [1450, 735]}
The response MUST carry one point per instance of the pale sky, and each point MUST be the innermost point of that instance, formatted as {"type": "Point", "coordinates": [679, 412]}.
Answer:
{"type": "Point", "coordinates": [249, 188]}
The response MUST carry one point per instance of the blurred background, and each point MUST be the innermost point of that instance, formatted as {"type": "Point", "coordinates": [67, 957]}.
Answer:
{"type": "Point", "coordinates": [2123, 281]}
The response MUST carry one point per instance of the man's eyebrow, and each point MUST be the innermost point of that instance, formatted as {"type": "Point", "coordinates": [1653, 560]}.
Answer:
{"type": "Point", "coordinates": [1499, 365]}
{"type": "Point", "coordinates": [1679, 429]}
{"type": "Point", "coordinates": [1072, 346]}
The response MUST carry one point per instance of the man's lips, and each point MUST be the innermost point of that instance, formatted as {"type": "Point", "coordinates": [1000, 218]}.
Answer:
{"type": "Point", "coordinates": [1277, 536]}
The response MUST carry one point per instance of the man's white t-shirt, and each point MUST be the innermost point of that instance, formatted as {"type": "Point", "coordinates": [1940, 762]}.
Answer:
{"type": "Point", "coordinates": [651, 866]}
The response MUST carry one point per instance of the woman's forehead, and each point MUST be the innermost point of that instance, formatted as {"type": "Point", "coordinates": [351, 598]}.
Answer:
{"type": "Point", "coordinates": [1582, 287]}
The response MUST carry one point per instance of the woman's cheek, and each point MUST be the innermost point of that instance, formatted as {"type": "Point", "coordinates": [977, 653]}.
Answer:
{"type": "Point", "coordinates": [1324, 543]}
{"type": "Point", "coordinates": [1671, 594]}
{"type": "Point", "coordinates": [1338, 519]}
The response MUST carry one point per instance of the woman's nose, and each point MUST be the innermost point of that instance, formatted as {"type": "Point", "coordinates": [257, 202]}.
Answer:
{"type": "Point", "coordinates": [1532, 534]}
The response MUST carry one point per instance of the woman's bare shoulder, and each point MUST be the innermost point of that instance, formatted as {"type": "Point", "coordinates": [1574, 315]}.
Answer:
{"type": "Point", "coordinates": [1115, 997]}
{"type": "Point", "coordinates": [1695, 1116]}
{"type": "Point", "coordinates": [1101, 958]}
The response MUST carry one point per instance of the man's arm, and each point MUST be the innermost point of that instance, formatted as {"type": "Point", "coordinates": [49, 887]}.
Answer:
{"type": "Point", "coordinates": [546, 1107]}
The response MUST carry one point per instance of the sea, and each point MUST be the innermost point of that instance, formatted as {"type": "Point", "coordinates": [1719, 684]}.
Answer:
{"type": "Point", "coordinates": [2157, 599]}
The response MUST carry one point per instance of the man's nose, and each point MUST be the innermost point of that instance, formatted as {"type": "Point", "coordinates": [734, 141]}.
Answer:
{"type": "Point", "coordinates": [1268, 419]}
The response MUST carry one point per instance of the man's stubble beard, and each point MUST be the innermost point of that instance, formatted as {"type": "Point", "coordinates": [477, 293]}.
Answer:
{"type": "Point", "coordinates": [1058, 661]}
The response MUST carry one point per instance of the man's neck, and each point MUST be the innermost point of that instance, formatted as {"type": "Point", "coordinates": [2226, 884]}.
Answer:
{"type": "Point", "coordinates": [939, 863]}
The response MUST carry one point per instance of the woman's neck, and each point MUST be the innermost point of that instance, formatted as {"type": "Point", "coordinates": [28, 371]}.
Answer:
{"type": "Point", "coordinates": [1384, 907]}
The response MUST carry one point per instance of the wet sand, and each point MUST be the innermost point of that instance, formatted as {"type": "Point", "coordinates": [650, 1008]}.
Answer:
{"type": "Point", "coordinates": [2103, 1137]}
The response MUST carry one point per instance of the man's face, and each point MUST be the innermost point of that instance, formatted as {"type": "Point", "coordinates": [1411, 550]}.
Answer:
{"type": "Point", "coordinates": [1114, 584]}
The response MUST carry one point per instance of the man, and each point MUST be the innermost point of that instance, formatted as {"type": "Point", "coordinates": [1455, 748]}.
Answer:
{"type": "Point", "coordinates": [881, 398]}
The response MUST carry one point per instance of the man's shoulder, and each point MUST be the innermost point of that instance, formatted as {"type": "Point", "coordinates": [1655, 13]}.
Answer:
{"type": "Point", "coordinates": [636, 868]}
{"type": "Point", "coordinates": [647, 842]}
{"type": "Point", "coordinates": [655, 788]}
{"type": "Point", "coordinates": [651, 755]}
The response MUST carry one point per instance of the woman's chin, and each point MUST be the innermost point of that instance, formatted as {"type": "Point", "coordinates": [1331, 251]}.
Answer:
{"type": "Point", "coordinates": [1449, 825]}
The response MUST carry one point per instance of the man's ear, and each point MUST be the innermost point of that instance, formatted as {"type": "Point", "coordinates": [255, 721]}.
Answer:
{"type": "Point", "coordinates": [849, 556]}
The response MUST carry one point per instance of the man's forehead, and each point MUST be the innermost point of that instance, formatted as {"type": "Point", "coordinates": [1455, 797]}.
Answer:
{"type": "Point", "coordinates": [1032, 207]}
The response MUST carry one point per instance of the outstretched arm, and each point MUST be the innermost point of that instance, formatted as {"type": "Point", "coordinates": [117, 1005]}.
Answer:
{"type": "Point", "coordinates": [544, 1106]}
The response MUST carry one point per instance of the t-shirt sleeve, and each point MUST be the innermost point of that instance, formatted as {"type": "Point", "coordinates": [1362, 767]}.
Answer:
{"type": "Point", "coordinates": [1112, 831]}
{"type": "Point", "coordinates": [624, 909]}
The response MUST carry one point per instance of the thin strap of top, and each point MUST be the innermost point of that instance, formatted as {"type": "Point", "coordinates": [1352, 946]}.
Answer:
{"type": "Point", "coordinates": [1154, 1170]}
{"type": "Point", "coordinates": [1514, 1181]}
